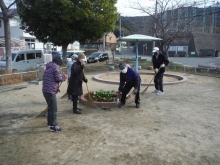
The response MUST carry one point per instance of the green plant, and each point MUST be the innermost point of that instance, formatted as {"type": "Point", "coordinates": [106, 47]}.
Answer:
{"type": "Point", "coordinates": [103, 96]}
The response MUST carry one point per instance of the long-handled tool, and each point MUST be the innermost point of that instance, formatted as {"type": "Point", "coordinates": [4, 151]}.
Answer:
{"type": "Point", "coordinates": [150, 81]}
{"type": "Point", "coordinates": [44, 112]}
{"type": "Point", "coordinates": [89, 101]}
{"type": "Point", "coordinates": [66, 94]}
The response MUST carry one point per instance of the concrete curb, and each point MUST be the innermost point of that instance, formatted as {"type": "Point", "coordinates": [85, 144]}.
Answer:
{"type": "Point", "coordinates": [180, 79]}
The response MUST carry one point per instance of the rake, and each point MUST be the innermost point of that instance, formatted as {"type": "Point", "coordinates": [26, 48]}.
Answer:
{"type": "Point", "coordinates": [44, 112]}
{"type": "Point", "coordinates": [90, 102]}
{"type": "Point", "coordinates": [150, 82]}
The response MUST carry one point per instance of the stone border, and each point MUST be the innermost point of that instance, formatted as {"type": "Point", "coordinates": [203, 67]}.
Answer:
{"type": "Point", "coordinates": [83, 100]}
{"type": "Point", "coordinates": [180, 79]}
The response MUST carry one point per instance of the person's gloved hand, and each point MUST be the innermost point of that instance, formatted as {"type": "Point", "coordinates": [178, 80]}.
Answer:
{"type": "Point", "coordinates": [86, 80]}
{"type": "Point", "coordinates": [156, 70]}
{"type": "Point", "coordinates": [135, 91]}
{"type": "Point", "coordinates": [162, 65]}
{"type": "Point", "coordinates": [65, 75]}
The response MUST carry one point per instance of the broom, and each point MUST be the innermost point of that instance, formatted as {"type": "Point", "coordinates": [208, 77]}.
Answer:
{"type": "Point", "coordinates": [66, 94]}
{"type": "Point", "coordinates": [44, 112]}
{"type": "Point", "coordinates": [89, 101]}
{"type": "Point", "coordinates": [150, 82]}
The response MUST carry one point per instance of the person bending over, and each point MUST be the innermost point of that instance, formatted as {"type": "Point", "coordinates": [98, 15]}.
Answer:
{"type": "Point", "coordinates": [129, 78]}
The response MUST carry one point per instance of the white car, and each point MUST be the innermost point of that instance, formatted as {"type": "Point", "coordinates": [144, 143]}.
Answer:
{"type": "Point", "coordinates": [69, 54]}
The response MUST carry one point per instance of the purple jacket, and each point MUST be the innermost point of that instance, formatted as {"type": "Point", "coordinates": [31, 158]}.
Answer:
{"type": "Point", "coordinates": [52, 77]}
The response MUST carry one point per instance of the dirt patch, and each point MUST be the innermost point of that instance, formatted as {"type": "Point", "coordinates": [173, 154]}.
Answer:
{"type": "Point", "coordinates": [180, 127]}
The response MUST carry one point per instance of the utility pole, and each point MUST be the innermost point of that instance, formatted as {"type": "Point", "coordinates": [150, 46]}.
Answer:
{"type": "Point", "coordinates": [204, 17]}
{"type": "Point", "coordinates": [120, 35]}
{"type": "Point", "coordinates": [155, 25]}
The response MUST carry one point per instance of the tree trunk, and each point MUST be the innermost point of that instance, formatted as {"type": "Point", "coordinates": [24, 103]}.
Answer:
{"type": "Point", "coordinates": [64, 49]}
{"type": "Point", "coordinates": [7, 33]}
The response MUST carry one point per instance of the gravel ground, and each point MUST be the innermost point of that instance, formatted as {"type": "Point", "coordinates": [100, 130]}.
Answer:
{"type": "Point", "coordinates": [180, 127]}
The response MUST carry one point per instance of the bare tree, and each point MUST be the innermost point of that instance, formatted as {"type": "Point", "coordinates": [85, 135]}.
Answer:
{"type": "Point", "coordinates": [169, 20]}
{"type": "Point", "coordinates": [7, 14]}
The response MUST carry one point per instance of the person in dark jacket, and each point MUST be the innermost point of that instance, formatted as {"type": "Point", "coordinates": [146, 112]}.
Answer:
{"type": "Point", "coordinates": [129, 78]}
{"type": "Point", "coordinates": [51, 79]}
{"type": "Point", "coordinates": [69, 65]}
{"type": "Point", "coordinates": [159, 62]}
{"type": "Point", "coordinates": [75, 82]}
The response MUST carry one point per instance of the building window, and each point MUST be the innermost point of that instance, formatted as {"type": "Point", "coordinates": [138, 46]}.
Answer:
{"type": "Point", "coordinates": [30, 43]}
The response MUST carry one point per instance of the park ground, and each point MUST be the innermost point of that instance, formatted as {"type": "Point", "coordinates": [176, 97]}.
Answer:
{"type": "Point", "coordinates": [180, 127]}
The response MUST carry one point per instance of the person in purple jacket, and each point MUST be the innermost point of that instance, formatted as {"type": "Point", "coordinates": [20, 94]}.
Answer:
{"type": "Point", "coordinates": [51, 79]}
{"type": "Point", "coordinates": [129, 78]}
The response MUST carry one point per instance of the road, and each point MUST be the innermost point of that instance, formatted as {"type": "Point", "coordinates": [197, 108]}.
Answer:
{"type": "Point", "coordinates": [190, 61]}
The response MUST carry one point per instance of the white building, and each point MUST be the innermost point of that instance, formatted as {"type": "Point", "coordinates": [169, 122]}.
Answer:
{"type": "Point", "coordinates": [27, 41]}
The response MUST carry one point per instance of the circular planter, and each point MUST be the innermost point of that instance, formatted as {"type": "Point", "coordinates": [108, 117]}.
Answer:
{"type": "Point", "coordinates": [83, 100]}
{"type": "Point", "coordinates": [150, 67]}
{"type": "Point", "coordinates": [111, 67]}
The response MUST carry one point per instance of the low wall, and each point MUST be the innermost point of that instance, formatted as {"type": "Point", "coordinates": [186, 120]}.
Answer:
{"type": "Point", "coordinates": [7, 79]}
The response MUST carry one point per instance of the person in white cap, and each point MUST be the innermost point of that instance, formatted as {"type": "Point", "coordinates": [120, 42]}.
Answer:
{"type": "Point", "coordinates": [159, 62]}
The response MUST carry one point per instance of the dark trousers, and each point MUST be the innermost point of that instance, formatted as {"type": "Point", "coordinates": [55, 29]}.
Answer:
{"type": "Point", "coordinates": [158, 81]}
{"type": "Point", "coordinates": [127, 89]}
{"type": "Point", "coordinates": [52, 108]}
{"type": "Point", "coordinates": [74, 99]}
{"type": "Point", "coordinates": [69, 96]}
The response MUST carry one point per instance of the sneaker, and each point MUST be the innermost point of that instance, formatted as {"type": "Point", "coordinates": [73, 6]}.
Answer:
{"type": "Point", "coordinates": [77, 111]}
{"type": "Point", "coordinates": [50, 125]}
{"type": "Point", "coordinates": [55, 129]}
{"type": "Point", "coordinates": [160, 93]}
{"type": "Point", "coordinates": [120, 105]}
{"type": "Point", "coordinates": [138, 105]}
{"type": "Point", "coordinates": [155, 91]}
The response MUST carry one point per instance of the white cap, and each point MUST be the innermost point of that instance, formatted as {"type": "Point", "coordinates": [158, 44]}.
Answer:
{"type": "Point", "coordinates": [155, 49]}
{"type": "Point", "coordinates": [74, 57]}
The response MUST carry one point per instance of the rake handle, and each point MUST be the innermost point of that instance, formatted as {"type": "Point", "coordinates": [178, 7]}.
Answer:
{"type": "Point", "coordinates": [151, 81]}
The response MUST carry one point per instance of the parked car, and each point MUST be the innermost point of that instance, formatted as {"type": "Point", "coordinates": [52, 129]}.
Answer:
{"type": "Point", "coordinates": [69, 54]}
{"type": "Point", "coordinates": [57, 54]}
{"type": "Point", "coordinates": [98, 57]}
{"type": "Point", "coordinates": [24, 59]}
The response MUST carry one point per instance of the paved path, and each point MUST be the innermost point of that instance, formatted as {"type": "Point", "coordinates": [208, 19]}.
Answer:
{"type": "Point", "coordinates": [15, 86]}
{"type": "Point", "coordinates": [191, 61]}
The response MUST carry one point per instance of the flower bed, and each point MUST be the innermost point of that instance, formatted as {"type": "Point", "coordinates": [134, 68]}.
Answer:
{"type": "Point", "coordinates": [105, 98]}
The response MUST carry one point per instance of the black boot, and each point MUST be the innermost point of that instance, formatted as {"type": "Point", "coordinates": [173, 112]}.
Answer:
{"type": "Point", "coordinates": [76, 111]}
{"type": "Point", "coordinates": [137, 105]}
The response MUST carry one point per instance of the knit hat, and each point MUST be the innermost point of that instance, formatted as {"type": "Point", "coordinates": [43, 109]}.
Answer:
{"type": "Point", "coordinates": [122, 65]}
{"type": "Point", "coordinates": [81, 56]}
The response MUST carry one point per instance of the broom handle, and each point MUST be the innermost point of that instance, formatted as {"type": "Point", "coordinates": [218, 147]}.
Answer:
{"type": "Point", "coordinates": [87, 87]}
{"type": "Point", "coordinates": [86, 83]}
{"type": "Point", "coordinates": [149, 83]}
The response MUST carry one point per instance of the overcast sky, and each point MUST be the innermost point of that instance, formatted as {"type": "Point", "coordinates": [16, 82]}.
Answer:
{"type": "Point", "coordinates": [124, 9]}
